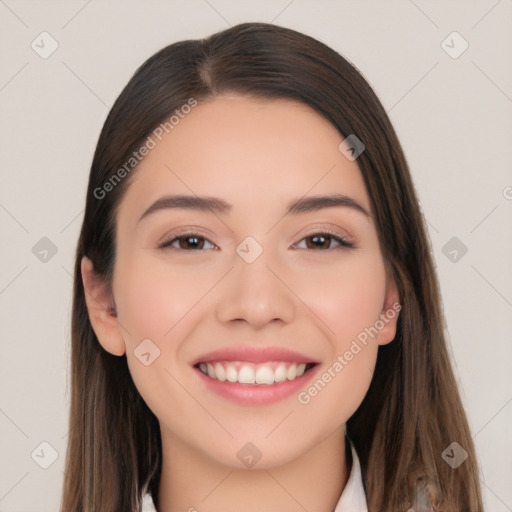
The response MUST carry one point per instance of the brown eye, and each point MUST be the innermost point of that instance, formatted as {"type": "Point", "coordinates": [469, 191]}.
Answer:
{"type": "Point", "coordinates": [191, 242]}
{"type": "Point", "coordinates": [186, 242]}
{"type": "Point", "coordinates": [323, 241]}
{"type": "Point", "coordinates": [318, 242]}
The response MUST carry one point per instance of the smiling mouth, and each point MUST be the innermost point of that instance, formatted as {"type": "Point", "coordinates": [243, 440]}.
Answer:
{"type": "Point", "coordinates": [272, 372]}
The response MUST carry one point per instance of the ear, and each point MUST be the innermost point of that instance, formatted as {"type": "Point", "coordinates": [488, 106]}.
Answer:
{"type": "Point", "coordinates": [101, 310]}
{"type": "Point", "coordinates": [389, 314]}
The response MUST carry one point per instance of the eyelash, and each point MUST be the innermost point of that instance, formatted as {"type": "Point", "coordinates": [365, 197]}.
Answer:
{"type": "Point", "coordinates": [343, 242]}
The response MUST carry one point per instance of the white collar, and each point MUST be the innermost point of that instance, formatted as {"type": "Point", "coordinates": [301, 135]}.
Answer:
{"type": "Point", "coordinates": [352, 499]}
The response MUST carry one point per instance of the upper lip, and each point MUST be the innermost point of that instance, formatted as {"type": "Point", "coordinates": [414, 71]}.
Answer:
{"type": "Point", "coordinates": [254, 355]}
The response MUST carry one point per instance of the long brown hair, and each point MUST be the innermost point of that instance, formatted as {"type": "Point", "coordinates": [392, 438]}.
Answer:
{"type": "Point", "coordinates": [412, 411]}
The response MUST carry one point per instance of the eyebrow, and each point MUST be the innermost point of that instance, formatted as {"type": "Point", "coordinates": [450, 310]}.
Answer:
{"type": "Point", "coordinates": [217, 205]}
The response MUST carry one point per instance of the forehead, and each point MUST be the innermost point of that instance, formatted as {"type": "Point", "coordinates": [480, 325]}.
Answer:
{"type": "Point", "coordinates": [247, 150]}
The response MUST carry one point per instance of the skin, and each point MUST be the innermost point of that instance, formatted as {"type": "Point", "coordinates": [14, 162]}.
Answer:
{"type": "Point", "coordinates": [257, 155]}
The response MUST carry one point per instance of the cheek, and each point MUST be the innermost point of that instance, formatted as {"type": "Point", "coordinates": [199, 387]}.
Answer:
{"type": "Point", "coordinates": [347, 297]}
{"type": "Point", "coordinates": [349, 304]}
{"type": "Point", "coordinates": [155, 302]}
{"type": "Point", "coordinates": [151, 297]}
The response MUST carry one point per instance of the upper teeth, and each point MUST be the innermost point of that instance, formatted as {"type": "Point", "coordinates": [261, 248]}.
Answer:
{"type": "Point", "coordinates": [250, 373]}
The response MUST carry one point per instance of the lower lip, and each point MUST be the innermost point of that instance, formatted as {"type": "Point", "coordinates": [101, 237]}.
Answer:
{"type": "Point", "coordinates": [257, 394]}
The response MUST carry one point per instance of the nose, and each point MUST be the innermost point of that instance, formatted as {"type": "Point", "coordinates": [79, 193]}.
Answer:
{"type": "Point", "coordinates": [255, 293]}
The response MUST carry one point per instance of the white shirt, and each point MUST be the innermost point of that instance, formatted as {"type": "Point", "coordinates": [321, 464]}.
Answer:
{"type": "Point", "coordinates": [352, 499]}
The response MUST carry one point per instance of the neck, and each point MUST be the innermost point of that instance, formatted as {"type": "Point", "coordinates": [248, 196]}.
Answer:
{"type": "Point", "coordinates": [191, 481]}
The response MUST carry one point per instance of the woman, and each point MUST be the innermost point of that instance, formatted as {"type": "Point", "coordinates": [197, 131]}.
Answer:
{"type": "Point", "coordinates": [256, 315]}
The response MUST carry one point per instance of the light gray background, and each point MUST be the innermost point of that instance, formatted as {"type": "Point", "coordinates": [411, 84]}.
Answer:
{"type": "Point", "coordinates": [452, 115]}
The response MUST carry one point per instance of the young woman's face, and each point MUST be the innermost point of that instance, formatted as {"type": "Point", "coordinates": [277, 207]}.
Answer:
{"type": "Point", "coordinates": [252, 289]}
